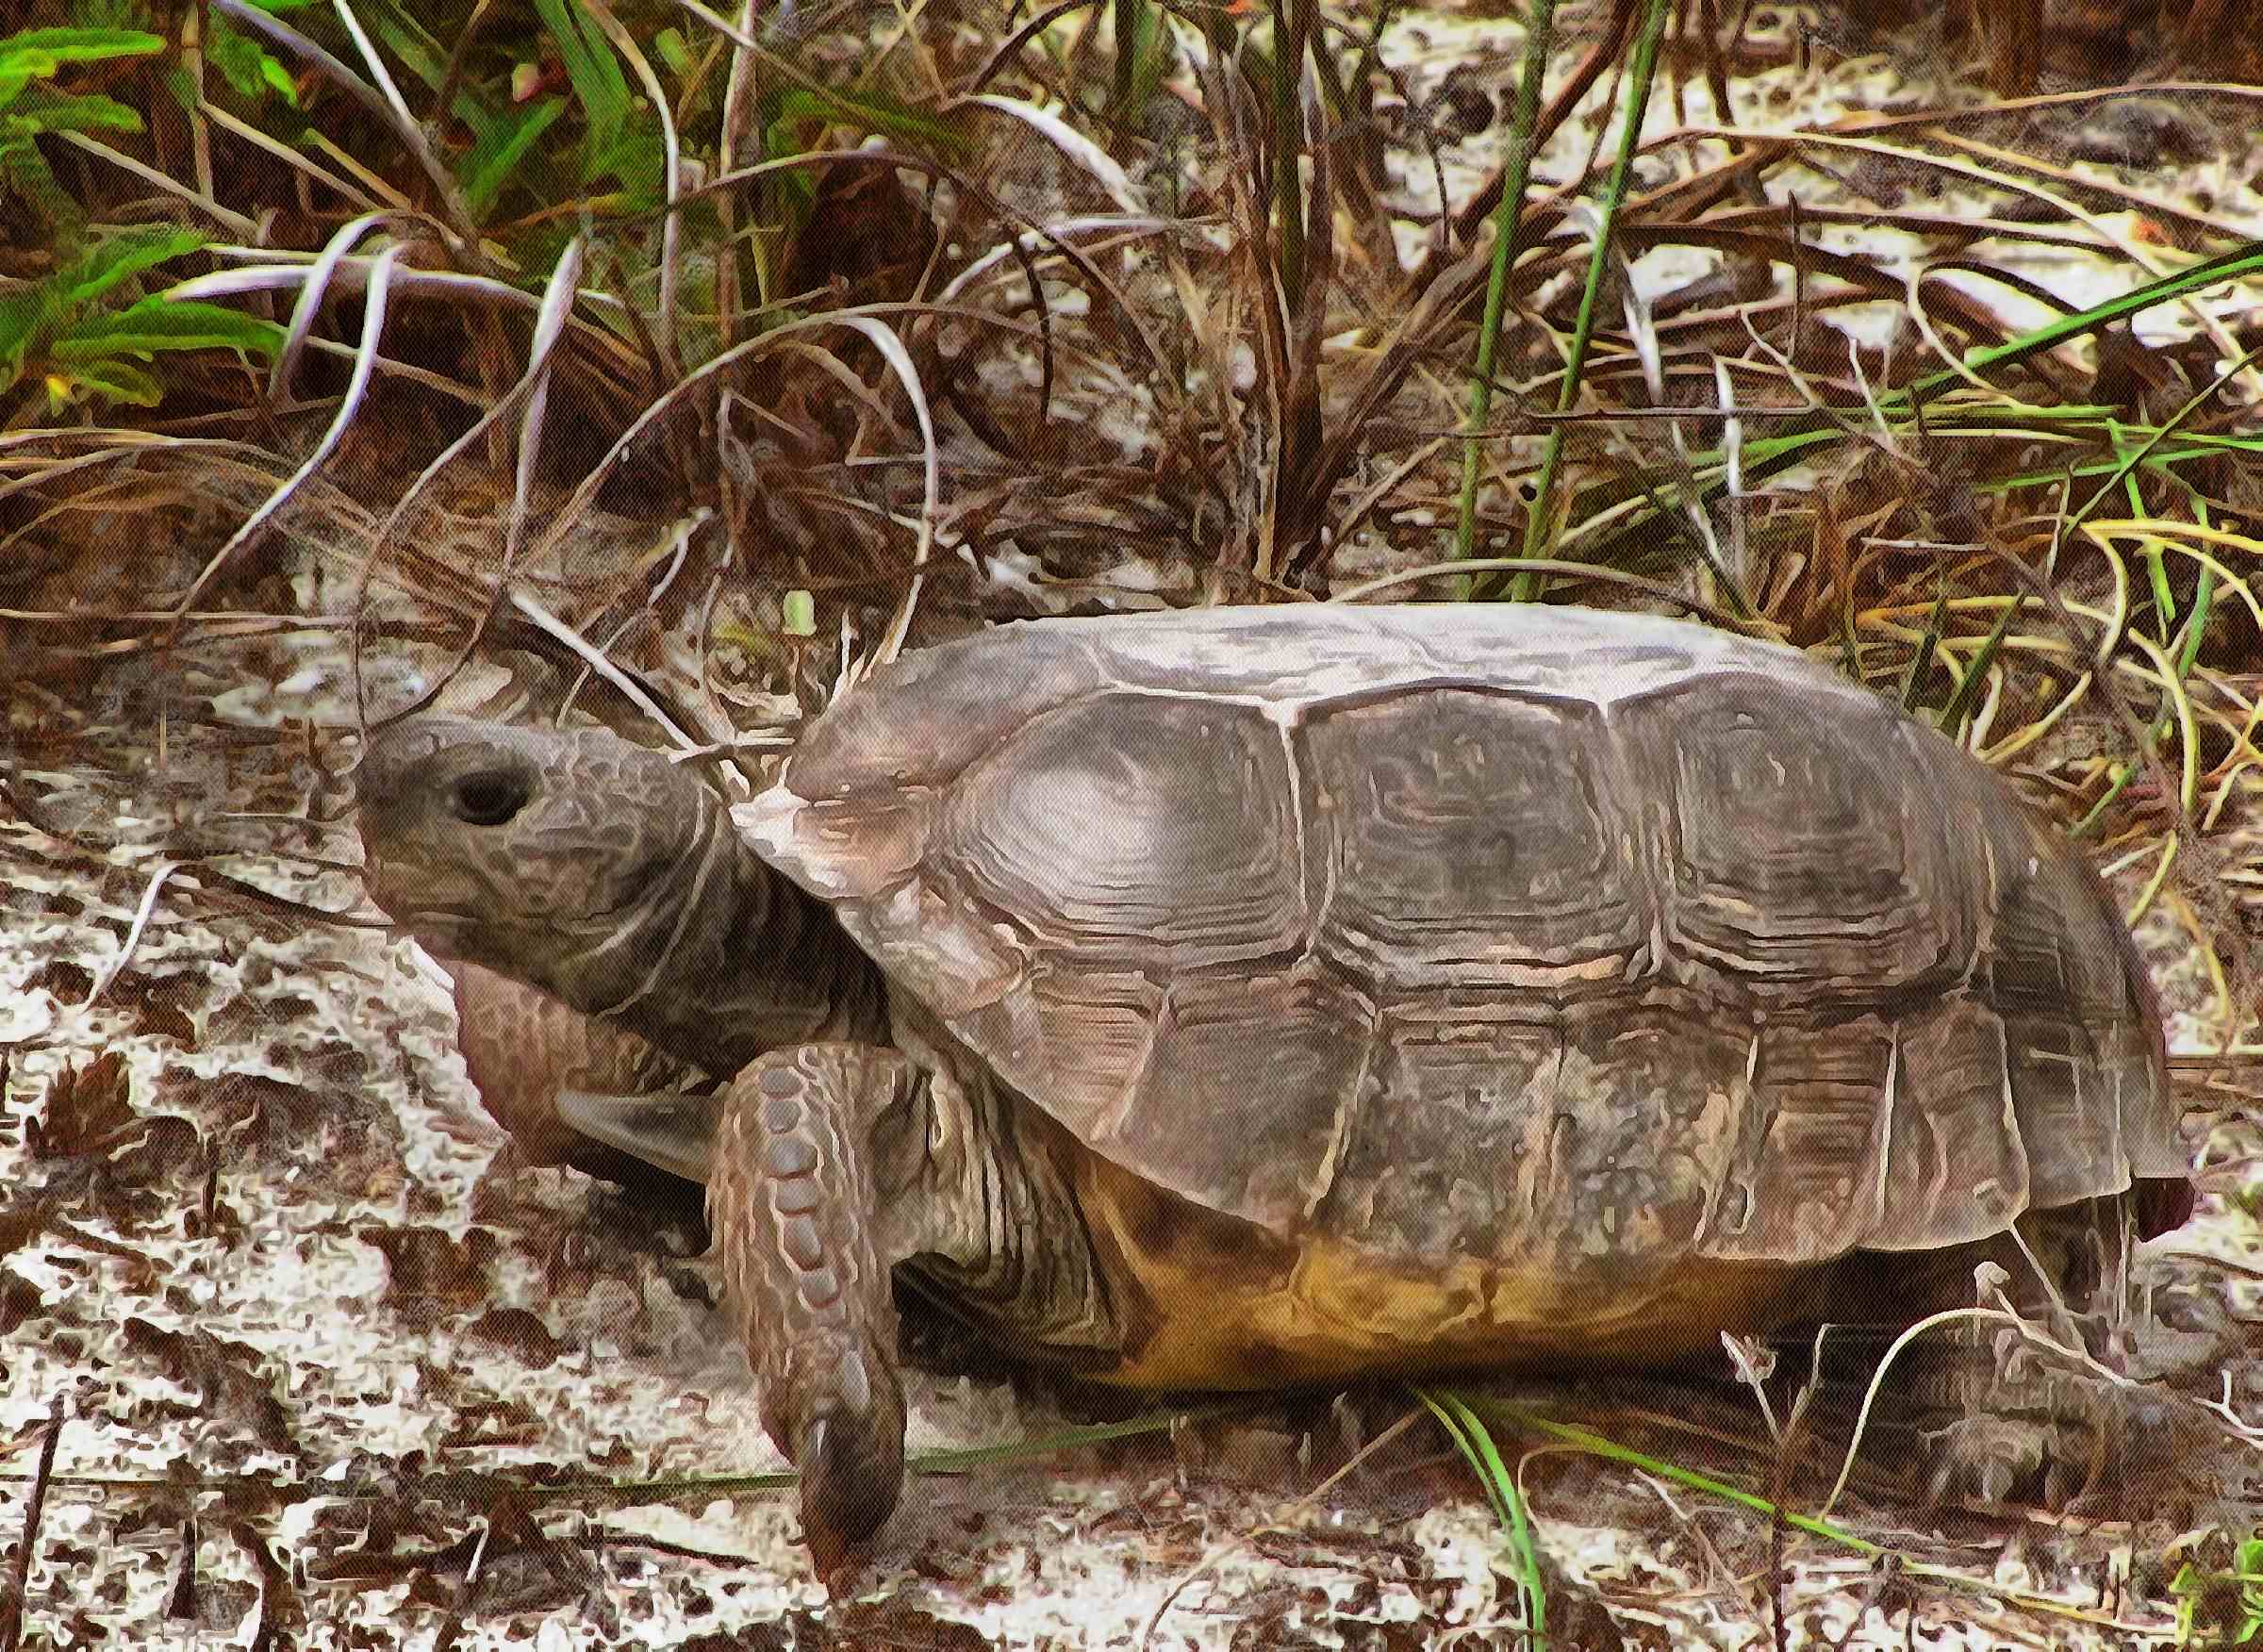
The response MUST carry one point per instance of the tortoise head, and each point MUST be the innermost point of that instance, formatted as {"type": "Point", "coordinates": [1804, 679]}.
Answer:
{"type": "Point", "coordinates": [561, 859]}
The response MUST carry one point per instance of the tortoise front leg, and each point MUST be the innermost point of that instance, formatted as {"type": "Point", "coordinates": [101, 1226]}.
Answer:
{"type": "Point", "coordinates": [790, 1200]}
{"type": "Point", "coordinates": [526, 1050]}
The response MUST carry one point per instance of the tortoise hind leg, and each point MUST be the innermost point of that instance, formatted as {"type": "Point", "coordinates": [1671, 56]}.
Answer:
{"type": "Point", "coordinates": [2034, 1411]}
{"type": "Point", "coordinates": [790, 1198]}
{"type": "Point", "coordinates": [2065, 1424]}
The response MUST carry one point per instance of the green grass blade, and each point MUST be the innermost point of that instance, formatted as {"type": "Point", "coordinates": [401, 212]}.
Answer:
{"type": "Point", "coordinates": [1955, 715]}
{"type": "Point", "coordinates": [1540, 30]}
{"type": "Point", "coordinates": [44, 109]}
{"type": "Point", "coordinates": [1475, 1440]}
{"type": "Point", "coordinates": [1639, 75]}
{"type": "Point", "coordinates": [502, 145]}
{"type": "Point", "coordinates": [1600, 1446]}
{"type": "Point", "coordinates": [596, 75]}
{"type": "Point", "coordinates": [1928, 646]}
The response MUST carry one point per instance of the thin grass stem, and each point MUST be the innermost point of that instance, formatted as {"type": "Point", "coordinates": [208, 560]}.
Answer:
{"type": "Point", "coordinates": [1515, 174]}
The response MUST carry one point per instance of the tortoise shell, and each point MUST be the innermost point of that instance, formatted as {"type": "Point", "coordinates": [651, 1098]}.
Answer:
{"type": "Point", "coordinates": [1544, 937]}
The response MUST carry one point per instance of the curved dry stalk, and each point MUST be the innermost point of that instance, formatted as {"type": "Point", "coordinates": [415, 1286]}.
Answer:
{"type": "Point", "coordinates": [1009, 48]}
{"type": "Point", "coordinates": [235, 224]}
{"type": "Point", "coordinates": [372, 328]}
{"type": "Point", "coordinates": [147, 905]}
{"type": "Point", "coordinates": [744, 40]}
{"type": "Point", "coordinates": [350, 274]}
{"type": "Point", "coordinates": [312, 291]}
{"type": "Point", "coordinates": [2153, 207]}
{"type": "Point", "coordinates": [550, 323]}
{"type": "Point", "coordinates": [1131, 227]}
{"type": "Point", "coordinates": [549, 326]}
{"type": "Point", "coordinates": [2129, 250]}
{"type": "Point", "coordinates": [1977, 1316]}
{"type": "Point", "coordinates": [594, 657]}
{"type": "Point", "coordinates": [298, 159]}
{"type": "Point", "coordinates": [1088, 156]}
{"type": "Point", "coordinates": [865, 320]}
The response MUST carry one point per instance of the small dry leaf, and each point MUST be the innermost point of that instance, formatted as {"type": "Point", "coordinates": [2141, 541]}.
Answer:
{"type": "Point", "coordinates": [84, 1111]}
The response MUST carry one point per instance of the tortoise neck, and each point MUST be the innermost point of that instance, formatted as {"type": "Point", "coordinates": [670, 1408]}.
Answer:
{"type": "Point", "coordinates": [733, 961]}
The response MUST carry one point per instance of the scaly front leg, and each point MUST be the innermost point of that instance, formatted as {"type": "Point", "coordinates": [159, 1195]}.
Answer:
{"type": "Point", "coordinates": [790, 1198]}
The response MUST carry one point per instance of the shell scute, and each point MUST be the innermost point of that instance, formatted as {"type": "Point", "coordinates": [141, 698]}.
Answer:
{"type": "Point", "coordinates": [1125, 830]}
{"type": "Point", "coordinates": [1805, 847]}
{"type": "Point", "coordinates": [1475, 838]}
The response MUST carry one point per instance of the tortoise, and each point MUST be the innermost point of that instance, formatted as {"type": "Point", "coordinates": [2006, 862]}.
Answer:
{"type": "Point", "coordinates": [1251, 997]}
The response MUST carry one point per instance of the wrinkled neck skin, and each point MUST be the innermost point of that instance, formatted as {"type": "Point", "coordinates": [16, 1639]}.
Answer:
{"type": "Point", "coordinates": [724, 960]}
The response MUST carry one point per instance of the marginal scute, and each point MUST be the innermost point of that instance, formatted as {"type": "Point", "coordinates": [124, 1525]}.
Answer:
{"type": "Point", "coordinates": [1957, 1163]}
{"type": "Point", "coordinates": [2081, 1026]}
{"type": "Point", "coordinates": [1806, 1177]}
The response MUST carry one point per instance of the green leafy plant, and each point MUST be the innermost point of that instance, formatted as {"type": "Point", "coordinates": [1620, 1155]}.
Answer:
{"type": "Point", "coordinates": [84, 332]}
{"type": "Point", "coordinates": [2231, 1600]}
{"type": "Point", "coordinates": [251, 70]}
{"type": "Point", "coordinates": [70, 332]}
{"type": "Point", "coordinates": [30, 106]}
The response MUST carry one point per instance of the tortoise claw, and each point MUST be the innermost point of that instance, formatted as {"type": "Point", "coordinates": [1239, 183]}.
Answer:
{"type": "Point", "coordinates": [852, 1479]}
{"type": "Point", "coordinates": [852, 1464]}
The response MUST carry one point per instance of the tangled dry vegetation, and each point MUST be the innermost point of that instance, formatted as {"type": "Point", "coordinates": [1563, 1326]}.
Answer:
{"type": "Point", "coordinates": [648, 364]}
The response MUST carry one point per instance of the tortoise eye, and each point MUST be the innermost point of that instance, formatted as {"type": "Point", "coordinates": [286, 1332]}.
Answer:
{"type": "Point", "coordinates": [490, 798]}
